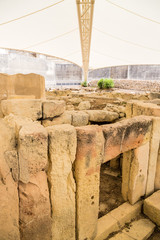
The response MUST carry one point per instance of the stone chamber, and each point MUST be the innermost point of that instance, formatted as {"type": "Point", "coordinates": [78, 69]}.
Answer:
{"type": "Point", "coordinates": [78, 165]}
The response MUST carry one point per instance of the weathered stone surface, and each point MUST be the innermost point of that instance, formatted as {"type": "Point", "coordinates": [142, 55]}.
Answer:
{"type": "Point", "coordinates": [17, 122]}
{"type": "Point", "coordinates": [102, 116]}
{"type": "Point", "coordinates": [126, 135]}
{"type": "Point", "coordinates": [138, 173]}
{"type": "Point", "coordinates": [11, 158]}
{"type": "Point", "coordinates": [153, 156]}
{"type": "Point", "coordinates": [126, 167]}
{"type": "Point", "coordinates": [62, 150]}
{"type": "Point", "coordinates": [65, 118]}
{"type": "Point", "coordinates": [79, 118]}
{"type": "Point", "coordinates": [90, 147]}
{"type": "Point", "coordinates": [32, 150]}
{"type": "Point", "coordinates": [145, 108]}
{"type": "Point", "coordinates": [53, 108]}
{"type": "Point", "coordinates": [151, 207]}
{"type": "Point", "coordinates": [35, 210]}
{"type": "Point", "coordinates": [9, 201]}
{"type": "Point", "coordinates": [157, 176]}
{"type": "Point", "coordinates": [31, 108]}
{"type": "Point", "coordinates": [140, 229]}
{"type": "Point", "coordinates": [84, 105]}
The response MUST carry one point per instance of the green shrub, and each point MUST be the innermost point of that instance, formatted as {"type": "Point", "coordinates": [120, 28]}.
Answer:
{"type": "Point", "coordinates": [100, 83]}
{"type": "Point", "coordinates": [108, 83]}
{"type": "Point", "coordinates": [84, 84]}
{"type": "Point", "coordinates": [105, 83]}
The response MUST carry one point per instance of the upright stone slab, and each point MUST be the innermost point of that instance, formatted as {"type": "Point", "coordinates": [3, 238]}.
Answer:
{"type": "Point", "coordinates": [90, 148]}
{"type": "Point", "coordinates": [157, 176]}
{"type": "Point", "coordinates": [31, 108]}
{"type": "Point", "coordinates": [32, 150]}
{"type": "Point", "coordinates": [35, 209]}
{"type": "Point", "coordinates": [153, 156]}
{"type": "Point", "coordinates": [9, 201]}
{"type": "Point", "coordinates": [138, 173]}
{"type": "Point", "coordinates": [62, 150]}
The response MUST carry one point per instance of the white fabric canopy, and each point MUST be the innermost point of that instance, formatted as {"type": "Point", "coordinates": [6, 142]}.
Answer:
{"type": "Point", "coordinates": [124, 31]}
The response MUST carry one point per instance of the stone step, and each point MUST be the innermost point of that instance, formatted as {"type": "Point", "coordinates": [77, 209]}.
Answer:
{"type": "Point", "coordinates": [137, 230]}
{"type": "Point", "coordinates": [116, 219]}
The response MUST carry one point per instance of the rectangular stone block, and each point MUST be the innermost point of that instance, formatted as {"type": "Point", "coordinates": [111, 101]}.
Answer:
{"type": "Point", "coordinates": [32, 150]}
{"type": "Point", "coordinates": [138, 173]}
{"type": "Point", "coordinates": [9, 201]}
{"type": "Point", "coordinates": [90, 148]}
{"type": "Point", "coordinates": [151, 207]}
{"type": "Point", "coordinates": [53, 108]}
{"type": "Point", "coordinates": [31, 108]}
{"type": "Point", "coordinates": [102, 116]}
{"type": "Point", "coordinates": [35, 209]}
{"type": "Point", "coordinates": [125, 135]}
{"type": "Point", "coordinates": [65, 118]}
{"type": "Point", "coordinates": [153, 156]}
{"type": "Point", "coordinates": [62, 151]}
{"type": "Point", "coordinates": [79, 118]}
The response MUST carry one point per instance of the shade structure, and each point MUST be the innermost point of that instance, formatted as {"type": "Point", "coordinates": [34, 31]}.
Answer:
{"type": "Point", "coordinates": [123, 32]}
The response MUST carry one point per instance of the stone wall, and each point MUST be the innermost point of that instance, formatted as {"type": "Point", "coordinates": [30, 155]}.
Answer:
{"type": "Point", "coordinates": [135, 72]}
{"type": "Point", "coordinates": [50, 175]}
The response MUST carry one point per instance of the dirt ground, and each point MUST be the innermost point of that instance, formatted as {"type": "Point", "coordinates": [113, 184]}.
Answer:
{"type": "Point", "coordinates": [110, 191]}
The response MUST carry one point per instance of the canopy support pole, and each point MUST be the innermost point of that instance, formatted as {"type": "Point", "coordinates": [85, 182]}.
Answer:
{"type": "Point", "coordinates": [85, 18]}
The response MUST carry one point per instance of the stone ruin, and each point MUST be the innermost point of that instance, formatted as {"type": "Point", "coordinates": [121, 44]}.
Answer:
{"type": "Point", "coordinates": [52, 151]}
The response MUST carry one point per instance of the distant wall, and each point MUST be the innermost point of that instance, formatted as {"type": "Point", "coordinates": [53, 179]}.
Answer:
{"type": "Point", "coordinates": [139, 72]}
{"type": "Point", "coordinates": [55, 71]}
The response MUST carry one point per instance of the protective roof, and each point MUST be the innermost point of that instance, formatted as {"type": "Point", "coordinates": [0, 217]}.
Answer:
{"type": "Point", "coordinates": [124, 31]}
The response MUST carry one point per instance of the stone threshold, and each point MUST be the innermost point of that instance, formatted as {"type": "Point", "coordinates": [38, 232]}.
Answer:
{"type": "Point", "coordinates": [116, 219]}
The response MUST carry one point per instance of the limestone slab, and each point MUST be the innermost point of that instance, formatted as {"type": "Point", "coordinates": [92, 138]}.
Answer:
{"type": "Point", "coordinates": [32, 150]}
{"type": "Point", "coordinates": [31, 108]}
{"type": "Point", "coordinates": [138, 173]}
{"type": "Point", "coordinates": [53, 108]}
{"type": "Point", "coordinates": [90, 147]}
{"type": "Point", "coordinates": [102, 116]}
{"type": "Point", "coordinates": [152, 207]}
{"type": "Point", "coordinates": [65, 118]}
{"type": "Point", "coordinates": [62, 151]}
{"type": "Point", "coordinates": [35, 209]}
{"type": "Point", "coordinates": [79, 118]}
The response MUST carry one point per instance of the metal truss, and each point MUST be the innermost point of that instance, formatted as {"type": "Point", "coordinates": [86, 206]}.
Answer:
{"type": "Point", "coordinates": [85, 17]}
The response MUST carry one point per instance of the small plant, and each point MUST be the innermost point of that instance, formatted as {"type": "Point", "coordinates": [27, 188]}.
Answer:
{"type": "Point", "coordinates": [108, 83]}
{"type": "Point", "coordinates": [84, 84]}
{"type": "Point", "coordinates": [105, 83]}
{"type": "Point", "coordinates": [100, 83]}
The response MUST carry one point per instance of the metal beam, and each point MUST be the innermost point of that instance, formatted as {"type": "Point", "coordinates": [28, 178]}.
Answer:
{"type": "Point", "coordinates": [85, 18]}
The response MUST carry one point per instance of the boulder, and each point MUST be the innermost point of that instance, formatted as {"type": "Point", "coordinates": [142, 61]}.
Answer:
{"type": "Point", "coordinates": [53, 108]}
{"type": "Point", "coordinates": [102, 116]}
{"type": "Point", "coordinates": [79, 118]}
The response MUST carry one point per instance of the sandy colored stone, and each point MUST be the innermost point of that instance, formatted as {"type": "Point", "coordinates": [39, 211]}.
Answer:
{"type": "Point", "coordinates": [151, 207]}
{"type": "Point", "coordinates": [126, 167]}
{"type": "Point", "coordinates": [123, 136]}
{"type": "Point", "coordinates": [140, 229]}
{"type": "Point", "coordinates": [84, 105]}
{"type": "Point", "coordinates": [32, 150]}
{"type": "Point", "coordinates": [62, 151]}
{"type": "Point", "coordinates": [79, 118]}
{"type": "Point", "coordinates": [35, 209]}
{"type": "Point", "coordinates": [9, 201]}
{"type": "Point", "coordinates": [153, 156]}
{"type": "Point", "coordinates": [31, 108]}
{"type": "Point", "coordinates": [157, 176]}
{"type": "Point", "coordinates": [17, 122]}
{"type": "Point", "coordinates": [145, 108]}
{"type": "Point", "coordinates": [12, 161]}
{"type": "Point", "coordinates": [102, 116]}
{"type": "Point", "coordinates": [138, 173]}
{"type": "Point", "coordinates": [90, 148]}
{"type": "Point", "coordinates": [106, 225]}
{"type": "Point", "coordinates": [65, 118]}
{"type": "Point", "coordinates": [53, 108]}
{"type": "Point", "coordinates": [126, 212]}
